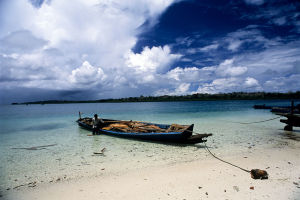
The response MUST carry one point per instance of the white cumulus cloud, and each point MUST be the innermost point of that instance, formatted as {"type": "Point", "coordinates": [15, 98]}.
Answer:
{"type": "Point", "coordinates": [181, 89]}
{"type": "Point", "coordinates": [250, 82]}
{"type": "Point", "coordinates": [191, 74]}
{"type": "Point", "coordinates": [154, 60]}
{"type": "Point", "coordinates": [227, 68]}
{"type": "Point", "coordinates": [87, 75]}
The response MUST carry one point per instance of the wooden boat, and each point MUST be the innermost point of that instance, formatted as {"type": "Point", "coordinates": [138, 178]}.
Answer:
{"type": "Point", "coordinates": [285, 110]}
{"type": "Point", "coordinates": [146, 131]}
{"type": "Point", "coordinates": [292, 116]}
{"type": "Point", "coordinates": [290, 121]}
{"type": "Point", "coordinates": [262, 107]}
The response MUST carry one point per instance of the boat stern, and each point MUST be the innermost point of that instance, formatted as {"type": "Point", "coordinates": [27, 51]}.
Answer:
{"type": "Point", "coordinates": [189, 131]}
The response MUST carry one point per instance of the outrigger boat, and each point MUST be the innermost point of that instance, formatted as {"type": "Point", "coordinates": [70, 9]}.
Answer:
{"type": "Point", "coordinates": [146, 131]}
{"type": "Point", "coordinates": [290, 121]}
{"type": "Point", "coordinates": [292, 116]}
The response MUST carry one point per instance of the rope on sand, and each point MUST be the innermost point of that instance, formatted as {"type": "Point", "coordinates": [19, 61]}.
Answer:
{"type": "Point", "coordinates": [224, 160]}
{"type": "Point", "coordinates": [255, 173]}
{"type": "Point", "coordinates": [255, 122]}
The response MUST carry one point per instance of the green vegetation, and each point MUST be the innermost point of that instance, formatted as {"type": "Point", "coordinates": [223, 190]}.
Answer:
{"type": "Point", "coordinates": [193, 97]}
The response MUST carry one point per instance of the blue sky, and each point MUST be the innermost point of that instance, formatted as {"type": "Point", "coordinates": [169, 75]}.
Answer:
{"type": "Point", "coordinates": [95, 49]}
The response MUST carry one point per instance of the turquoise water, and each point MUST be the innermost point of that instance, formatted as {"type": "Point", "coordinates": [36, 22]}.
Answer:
{"type": "Point", "coordinates": [71, 154]}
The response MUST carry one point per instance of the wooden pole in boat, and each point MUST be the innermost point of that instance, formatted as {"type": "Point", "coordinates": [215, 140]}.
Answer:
{"type": "Point", "coordinates": [79, 115]}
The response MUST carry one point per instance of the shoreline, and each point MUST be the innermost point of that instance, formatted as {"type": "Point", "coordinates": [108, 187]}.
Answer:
{"type": "Point", "coordinates": [205, 177]}
{"type": "Point", "coordinates": [169, 98]}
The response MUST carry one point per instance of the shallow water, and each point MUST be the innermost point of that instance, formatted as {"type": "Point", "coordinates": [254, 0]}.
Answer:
{"type": "Point", "coordinates": [70, 151]}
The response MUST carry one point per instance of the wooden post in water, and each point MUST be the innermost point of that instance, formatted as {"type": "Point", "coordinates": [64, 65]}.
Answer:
{"type": "Point", "coordinates": [293, 120]}
{"type": "Point", "coordinates": [290, 119]}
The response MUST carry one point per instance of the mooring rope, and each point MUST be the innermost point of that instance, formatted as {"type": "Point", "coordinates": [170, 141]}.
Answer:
{"type": "Point", "coordinates": [224, 160]}
{"type": "Point", "coordinates": [254, 122]}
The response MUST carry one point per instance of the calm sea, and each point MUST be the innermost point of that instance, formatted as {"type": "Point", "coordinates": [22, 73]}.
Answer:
{"type": "Point", "coordinates": [70, 151]}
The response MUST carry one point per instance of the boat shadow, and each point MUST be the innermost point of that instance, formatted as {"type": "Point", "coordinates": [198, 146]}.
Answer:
{"type": "Point", "coordinates": [198, 145]}
{"type": "Point", "coordinates": [292, 135]}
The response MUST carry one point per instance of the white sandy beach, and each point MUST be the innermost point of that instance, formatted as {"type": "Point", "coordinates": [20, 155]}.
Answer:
{"type": "Point", "coordinates": [206, 178]}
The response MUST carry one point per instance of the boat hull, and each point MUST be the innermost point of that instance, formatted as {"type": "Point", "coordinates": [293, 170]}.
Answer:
{"type": "Point", "coordinates": [173, 137]}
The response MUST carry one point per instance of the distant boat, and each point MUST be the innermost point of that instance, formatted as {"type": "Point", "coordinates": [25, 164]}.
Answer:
{"type": "Point", "coordinates": [147, 131]}
{"type": "Point", "coordinates": [262, 107]}
{"type": "Point", "coordinates": [283, 109]}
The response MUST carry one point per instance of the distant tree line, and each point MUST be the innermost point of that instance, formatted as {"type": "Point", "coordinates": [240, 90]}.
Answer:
{"type": "Point", "coordinates": [193, 97]}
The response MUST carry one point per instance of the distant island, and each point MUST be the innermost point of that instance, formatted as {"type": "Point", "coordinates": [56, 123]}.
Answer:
{"type": "Point", "coordinates": [193, 97]}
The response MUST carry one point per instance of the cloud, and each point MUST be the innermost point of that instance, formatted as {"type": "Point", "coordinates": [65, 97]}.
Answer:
{"type": "Point", "coordinates": [255, 2]}
{"type": "Point", "coordinates": [185, 41]}
{"type": "Point", "coordinates": [88, 45]}
{"type": "Point", "coordinates": [251, 82]}
{"type": "Point", "coordinates": [250, 36]}
{"type": "Point", "coordinates": [224, 77]}
{"type": "Point", "coordinates": [274, 69]}
{"type": "Point", "coordinates": [209, 47]}
{"type": "Point", "coordinates": [248, 59]}
{"type": "Point", "coordinates": [232, 84]}
{"type": "Point", "coordinates": [87, 75]}
{"type": "Point", "coordinates": [191, 74]}
{"type": "Point", "coordinates": [278, 13]}
{"type": "Point", "coordinates": [281, 84]}
{"type": "Point", "coordinates": [19, 69]}
{"type": "Point", "coordinates": [234, 44]}
{"type": "Point", "coordinates": [220, 85]}
{"type": "Point", "coordinates": [146, 67]}
{"type": "Point", "coordinates": [247, 39]}
{"type": "Point", "coordinates": [280, 58]}
{"type": "Point", "coordinates": [182, 89]}
{"type": "Point", "coordinates": [280, 21]}
{"type": "Point", "coordinates": [42, 44]}
{"type": "Point", "coordinates": [20, 41]}
{"type": "Point", "coordinates": [154, 60]}
{"type": "Point", "coordinates": [253, 62]}
{"type": "Point", "coordinates": [227, 68]}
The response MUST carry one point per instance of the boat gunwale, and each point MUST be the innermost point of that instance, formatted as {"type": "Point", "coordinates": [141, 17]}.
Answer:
{"type": "Point", "coordinates": [135, 133]}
